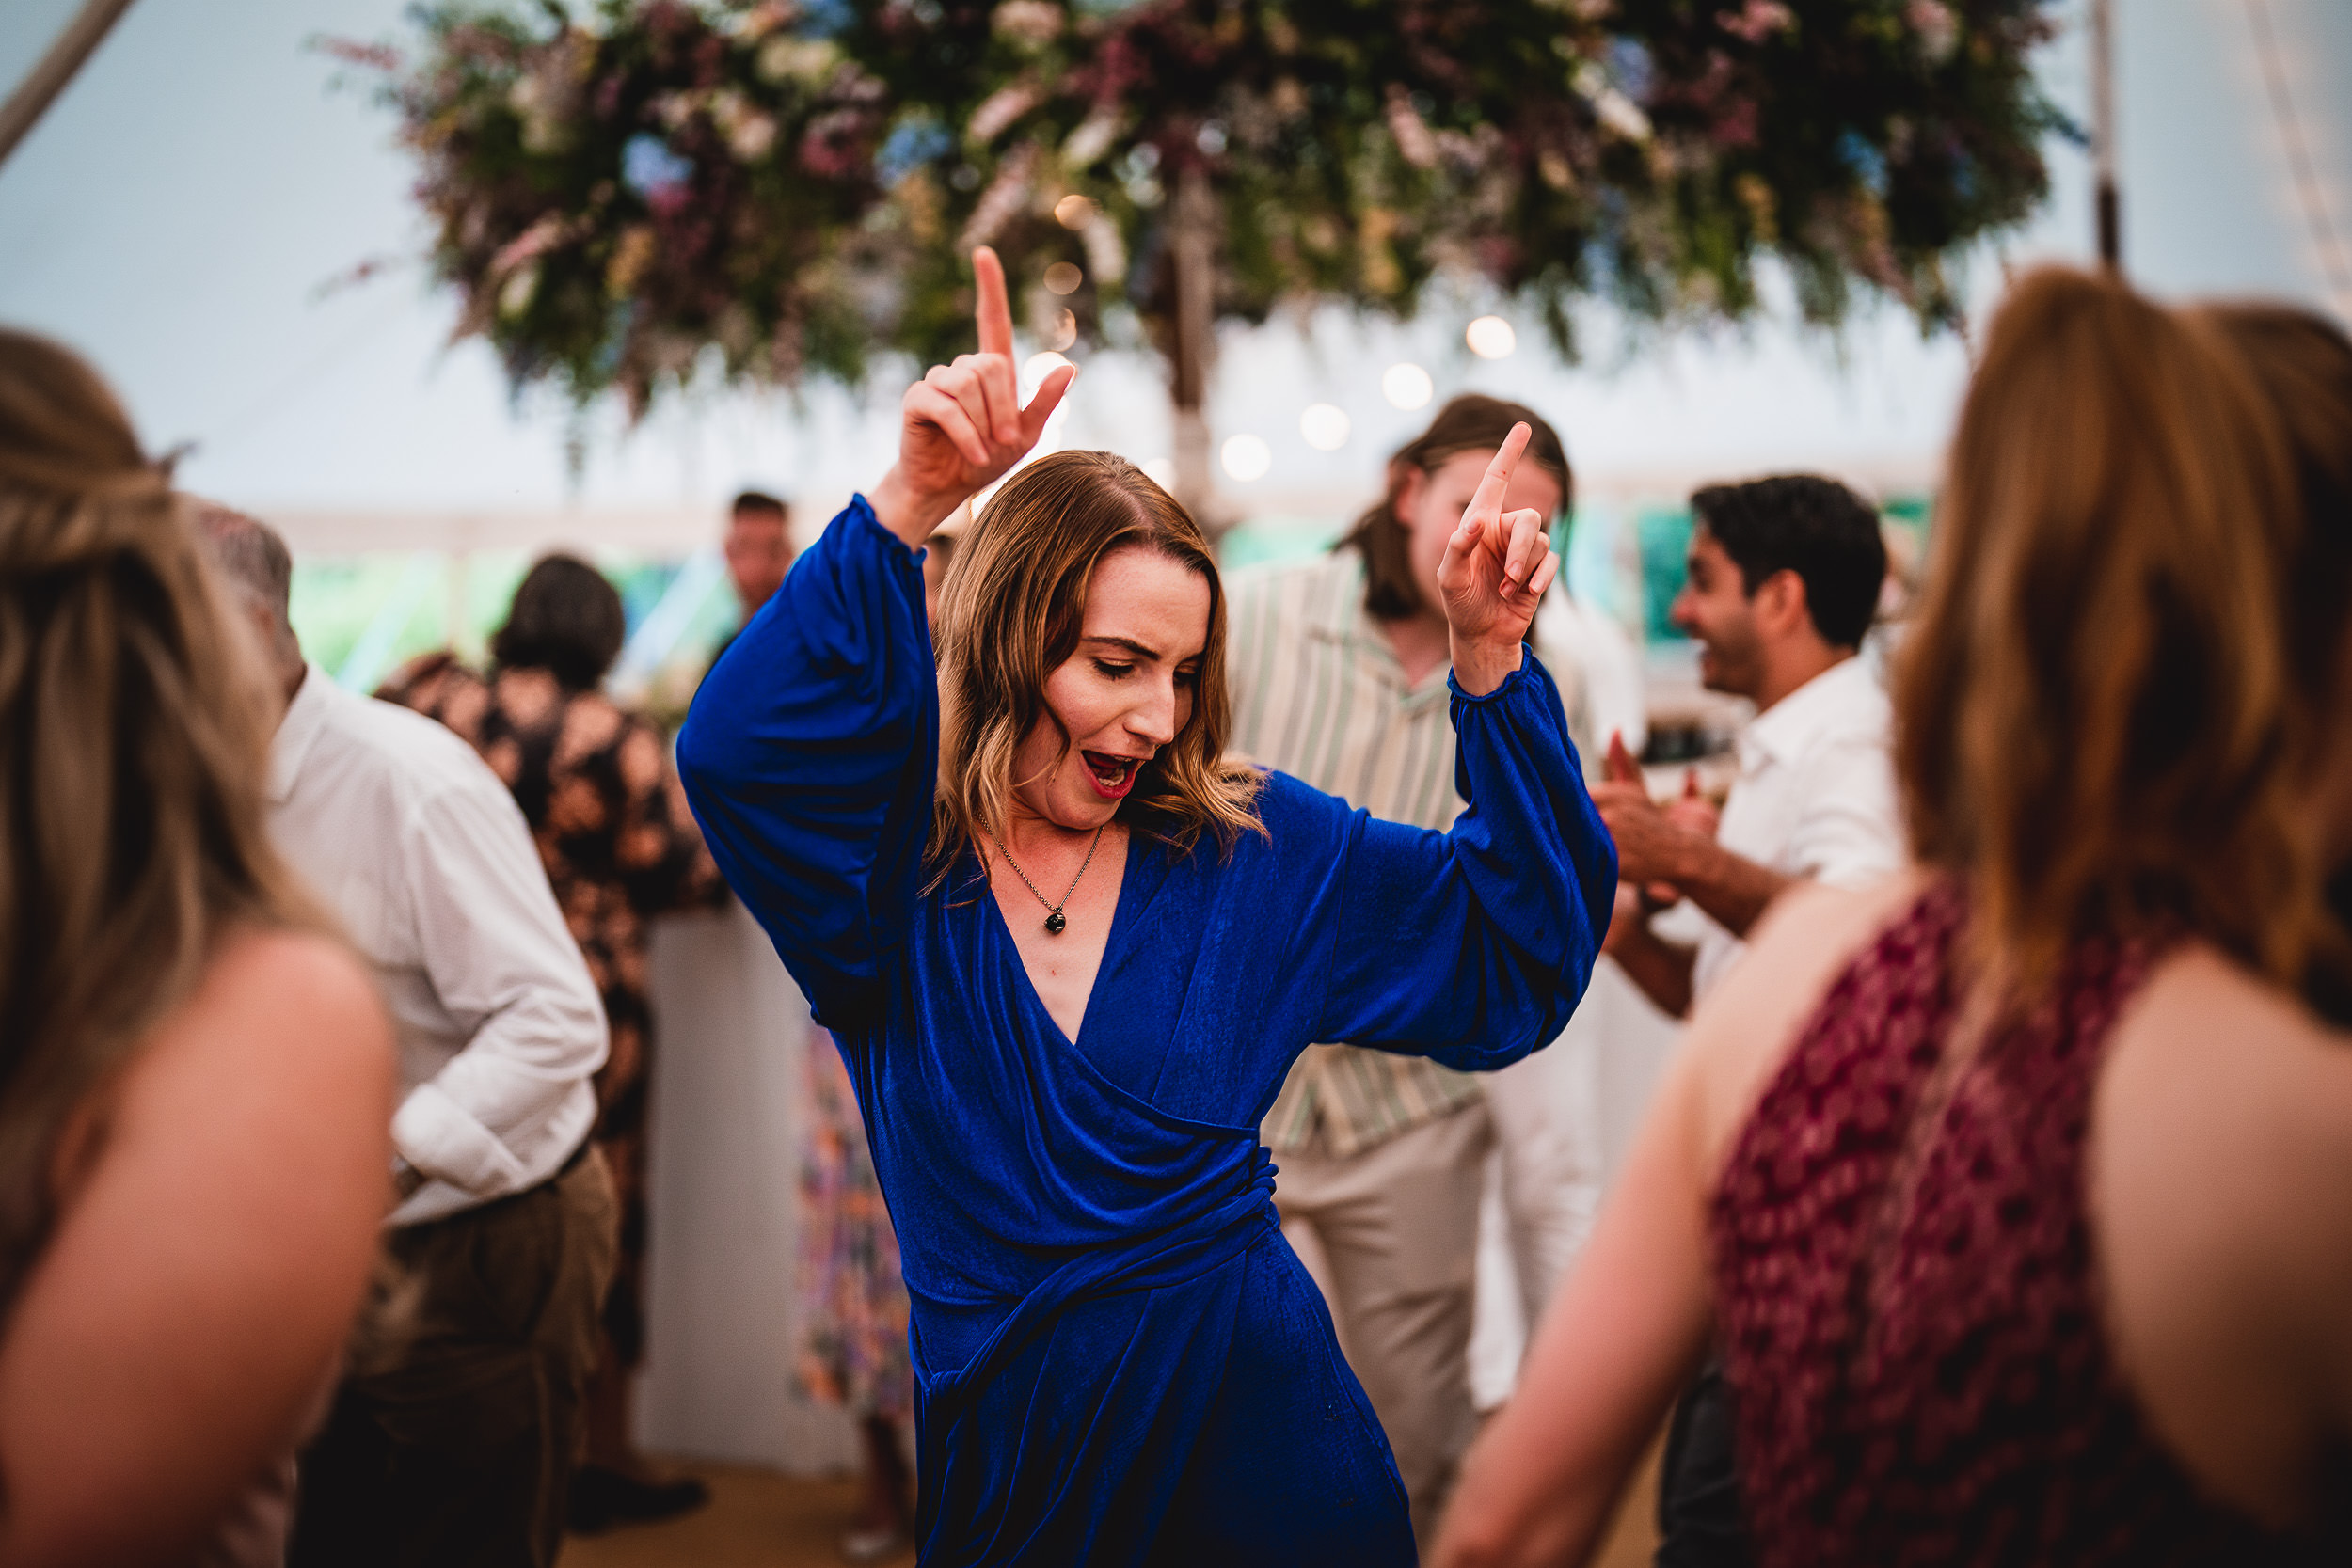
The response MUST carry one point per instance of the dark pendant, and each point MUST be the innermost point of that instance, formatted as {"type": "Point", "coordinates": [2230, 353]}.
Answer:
{"type": "Point", "coordinates": [1053, 922]}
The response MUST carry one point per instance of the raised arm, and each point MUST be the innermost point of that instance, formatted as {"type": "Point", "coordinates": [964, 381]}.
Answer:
{"type": "Point", "coordinates": [962, 427]}
{"type": "Point", "coordinates": [811, 752]}
{"type": "Point", "coordinates": [1474, 945]}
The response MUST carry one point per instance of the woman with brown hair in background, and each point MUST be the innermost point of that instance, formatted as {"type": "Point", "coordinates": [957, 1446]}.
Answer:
{"type": "Point", "coordinates": [1069, 949]}
{"type": "Point", "coordinates": [2020, 1192]}
{"type": "Point", "coordinates": [620, 847]}
{"type": "Point", "coordinates": [194, 1074]}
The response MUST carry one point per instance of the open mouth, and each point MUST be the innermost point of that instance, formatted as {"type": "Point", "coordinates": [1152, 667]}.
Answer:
{"type": "Point", "coordinates": [1113, 775]}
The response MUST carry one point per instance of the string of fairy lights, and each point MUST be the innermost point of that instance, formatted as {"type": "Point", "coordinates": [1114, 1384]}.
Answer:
{"type": "Point", "coordinates": [1325, 427]}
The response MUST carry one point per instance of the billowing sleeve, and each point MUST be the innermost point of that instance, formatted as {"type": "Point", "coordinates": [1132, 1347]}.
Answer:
{"type": "Point", "coordinates": [810, 757]}
{"type": "Point", "coordinates": [1473, 945]}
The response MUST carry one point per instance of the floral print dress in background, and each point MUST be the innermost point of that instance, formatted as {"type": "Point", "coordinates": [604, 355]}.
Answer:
{"type": "Point", "coordinates": [854, 1305]}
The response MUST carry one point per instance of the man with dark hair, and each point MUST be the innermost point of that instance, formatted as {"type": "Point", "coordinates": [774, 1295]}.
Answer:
{"type": "Point", "coordinates": [758, 547]}
{"type": "Point", "coordinates": [1783, 577]}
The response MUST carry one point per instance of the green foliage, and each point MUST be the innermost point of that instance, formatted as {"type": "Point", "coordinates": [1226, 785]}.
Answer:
{"type": "Point", "coordinates": [794, 184]}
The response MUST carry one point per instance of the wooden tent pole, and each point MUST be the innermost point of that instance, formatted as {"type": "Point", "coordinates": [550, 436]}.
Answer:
{"type": "Point", "coordinates": [2103, 133]}
{"type": "Point", "coordinates": [41, 85]}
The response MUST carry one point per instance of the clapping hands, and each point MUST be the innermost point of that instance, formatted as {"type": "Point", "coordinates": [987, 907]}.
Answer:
{"type": "Point", "coordinates": [1650, 838]}
{"type": "Point", "coordinates": [962, 427]}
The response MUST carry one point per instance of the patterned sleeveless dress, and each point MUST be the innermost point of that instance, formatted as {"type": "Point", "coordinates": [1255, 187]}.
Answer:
{"type": "Point", "coordinates": [1909, 1302]}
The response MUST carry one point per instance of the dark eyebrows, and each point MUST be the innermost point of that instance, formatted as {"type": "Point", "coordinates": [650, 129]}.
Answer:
{"type": "Point", "coordinates": [1138, 649]}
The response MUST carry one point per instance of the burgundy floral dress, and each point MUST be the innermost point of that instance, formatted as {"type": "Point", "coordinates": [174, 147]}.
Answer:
{"type": "Point", "coordinates": [1907, 1296]}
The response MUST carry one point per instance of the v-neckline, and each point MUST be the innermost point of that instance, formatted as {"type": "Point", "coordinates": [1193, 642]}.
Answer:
{"type": "Point", "coordinates": [1110, 941]}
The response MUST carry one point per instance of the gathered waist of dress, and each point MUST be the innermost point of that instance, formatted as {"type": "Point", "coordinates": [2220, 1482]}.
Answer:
{"type": "Point", "coordinates": [960, 1345]}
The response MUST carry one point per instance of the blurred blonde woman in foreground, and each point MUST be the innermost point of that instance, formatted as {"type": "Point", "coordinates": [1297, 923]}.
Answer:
{"type": "Point", "coordinates": [2020, 1191]}
{"type": "Point", "coordinates": [194, 1075]}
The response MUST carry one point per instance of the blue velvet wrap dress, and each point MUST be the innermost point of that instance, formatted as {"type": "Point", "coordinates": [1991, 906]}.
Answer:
{"type": "Point", "coordinates": [1118, 1357]}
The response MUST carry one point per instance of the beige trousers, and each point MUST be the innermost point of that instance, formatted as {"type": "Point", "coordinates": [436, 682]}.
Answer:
{"type": "Point", "coordinates": [1391, 1235]}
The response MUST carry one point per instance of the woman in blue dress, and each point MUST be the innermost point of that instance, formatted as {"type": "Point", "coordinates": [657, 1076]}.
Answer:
{"type": "Point", "coordinates": [1069, 950]}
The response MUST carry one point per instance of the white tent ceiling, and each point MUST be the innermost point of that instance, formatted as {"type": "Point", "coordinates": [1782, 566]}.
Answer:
{"type": "Point", "coordinates": [178, 212]}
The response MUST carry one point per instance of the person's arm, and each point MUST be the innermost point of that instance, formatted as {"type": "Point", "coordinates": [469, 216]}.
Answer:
{"type": "Point", "coordinates": [810, 755]}
{"type": "Point", "coordinates": [1653, 848]}
{"type": "Point", "coordinates": [1662, 968]}
{"type": "Point", "coordinates": [186, 1314]}
{"type": "Point", "coordinates": [1621, 1339]}
{"type": "Point", "coordinates": [1631, 1322]}
{"type": "Point", "coordinates": [501, 957]}
{"type": "Point", "coordinates": [962, 427]}
{"type": "Point", "coordinates": [1473, 945]}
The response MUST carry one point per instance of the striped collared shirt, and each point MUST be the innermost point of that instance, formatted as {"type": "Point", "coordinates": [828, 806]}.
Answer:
{"type": "Point", "coordinates": [1318, 693]}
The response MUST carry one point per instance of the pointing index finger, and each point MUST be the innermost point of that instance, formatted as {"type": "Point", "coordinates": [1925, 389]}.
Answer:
{"type": "Point", "coordinates": [1488, 502]}
{"type": "Point", "coordinates": [994, 314]}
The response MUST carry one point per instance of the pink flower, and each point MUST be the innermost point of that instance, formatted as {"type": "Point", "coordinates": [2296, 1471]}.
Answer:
{"type": "Point", "coordinates": [1758, 21]}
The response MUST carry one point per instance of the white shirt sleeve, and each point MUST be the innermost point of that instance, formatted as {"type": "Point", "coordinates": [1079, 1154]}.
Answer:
{"type": "Point", "coordinates": [1608, 670]}
{"type": "Point", "coordinates": [502, 960]}
{"type": "Point", "coordinates": [1848, 831]}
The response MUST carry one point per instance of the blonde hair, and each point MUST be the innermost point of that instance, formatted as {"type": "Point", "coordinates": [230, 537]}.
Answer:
{"type": "Point", "coordinates": [2095, 731]}
{"type": "Point", "coordinates": [1010, 613]}
{"type": "Point", "coordinates": [135, 729]}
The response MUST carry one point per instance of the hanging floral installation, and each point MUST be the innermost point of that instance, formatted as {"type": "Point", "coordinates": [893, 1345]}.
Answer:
{"type": "Point", "coordinates": [624, 190]}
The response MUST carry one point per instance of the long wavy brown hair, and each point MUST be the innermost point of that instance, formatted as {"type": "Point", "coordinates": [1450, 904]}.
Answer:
{"type": "Point", "coordinates": [2096, 729]}
{"type": "Point", "coordinates": [2304, 363]}
{"type": "Point", "coordinates": [134, 728]}
{"type": "Point", "coordinates": [1010, 613]}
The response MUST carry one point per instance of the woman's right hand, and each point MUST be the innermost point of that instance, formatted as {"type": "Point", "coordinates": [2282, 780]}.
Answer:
{"type": "Point", "coordinates": [963, 426]}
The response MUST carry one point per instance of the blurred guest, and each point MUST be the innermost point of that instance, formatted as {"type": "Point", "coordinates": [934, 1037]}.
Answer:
{"type": "Point", "coordinates": [853, 1352]}
{"type": "Point", "coordinates": [758, 548]}
{"type": "Point", "coordinates": [194, 1072]}
{"type": "Point", "coordinates": [1784, 578]}
{"type": "Point", "coordinates": [456, 1447]}
{"type": "Point", "coordinates": [1339, 674]}
{"type": "Point", "coordinates": [2304, 363]}
{"type": "Point", "coordinates": [1959, 1325]}
{"type": "Point", "coordinates": [619, 846]}
{"type": "Point", "coordinates": [939, 552]}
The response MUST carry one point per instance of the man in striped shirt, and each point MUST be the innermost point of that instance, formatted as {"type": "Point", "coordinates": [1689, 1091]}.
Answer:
{"type": "Point", "coordinates": [1339, 671]}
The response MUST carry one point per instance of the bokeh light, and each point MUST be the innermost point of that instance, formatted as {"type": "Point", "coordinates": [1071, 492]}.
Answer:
{"type": "Point", "coordinates": [1073, 210]}
{"type": "Point", "coordinates": [1490, 338]}
{"type": "Point", "coordinates": [1325, 426]}
{"type": "Point", "coordinates": [1245, 457]}
{"type": "Point", "coordinates": [1406, 385]}
{"type": "Point", "coordinates": [1063, 278]}
{"type": "Point", "coordinates": [1035, 369]}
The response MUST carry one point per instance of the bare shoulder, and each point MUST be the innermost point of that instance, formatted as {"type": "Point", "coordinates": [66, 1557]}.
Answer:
{"type": "Point", "coordinates": [2218, 1080]}
{"type": "Point", "coordinates": [300, 978]}
{"type": "Point", "coordinates": [297, 1006]}
{"type": "Point", "coordinates": [1742, 1032]}
{"type": "Point", "coordinates": [2219, 1186]}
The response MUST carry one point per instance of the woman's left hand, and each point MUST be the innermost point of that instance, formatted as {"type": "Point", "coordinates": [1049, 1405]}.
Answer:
{"type": "Point", "coordinates": [1496, 568]}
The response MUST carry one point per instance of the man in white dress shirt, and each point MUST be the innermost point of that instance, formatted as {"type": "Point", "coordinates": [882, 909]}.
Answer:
{"type": "Point", "coordinates": [1784, 578]}
{"type": "Point", "coordinates": [454, 1443]}
{"type": "Point", "coordinates": [1784, 581]}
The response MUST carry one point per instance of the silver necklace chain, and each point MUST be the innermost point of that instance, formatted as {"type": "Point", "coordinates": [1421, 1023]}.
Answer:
{"type": "Point", "coordinates": [1055, 920]}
